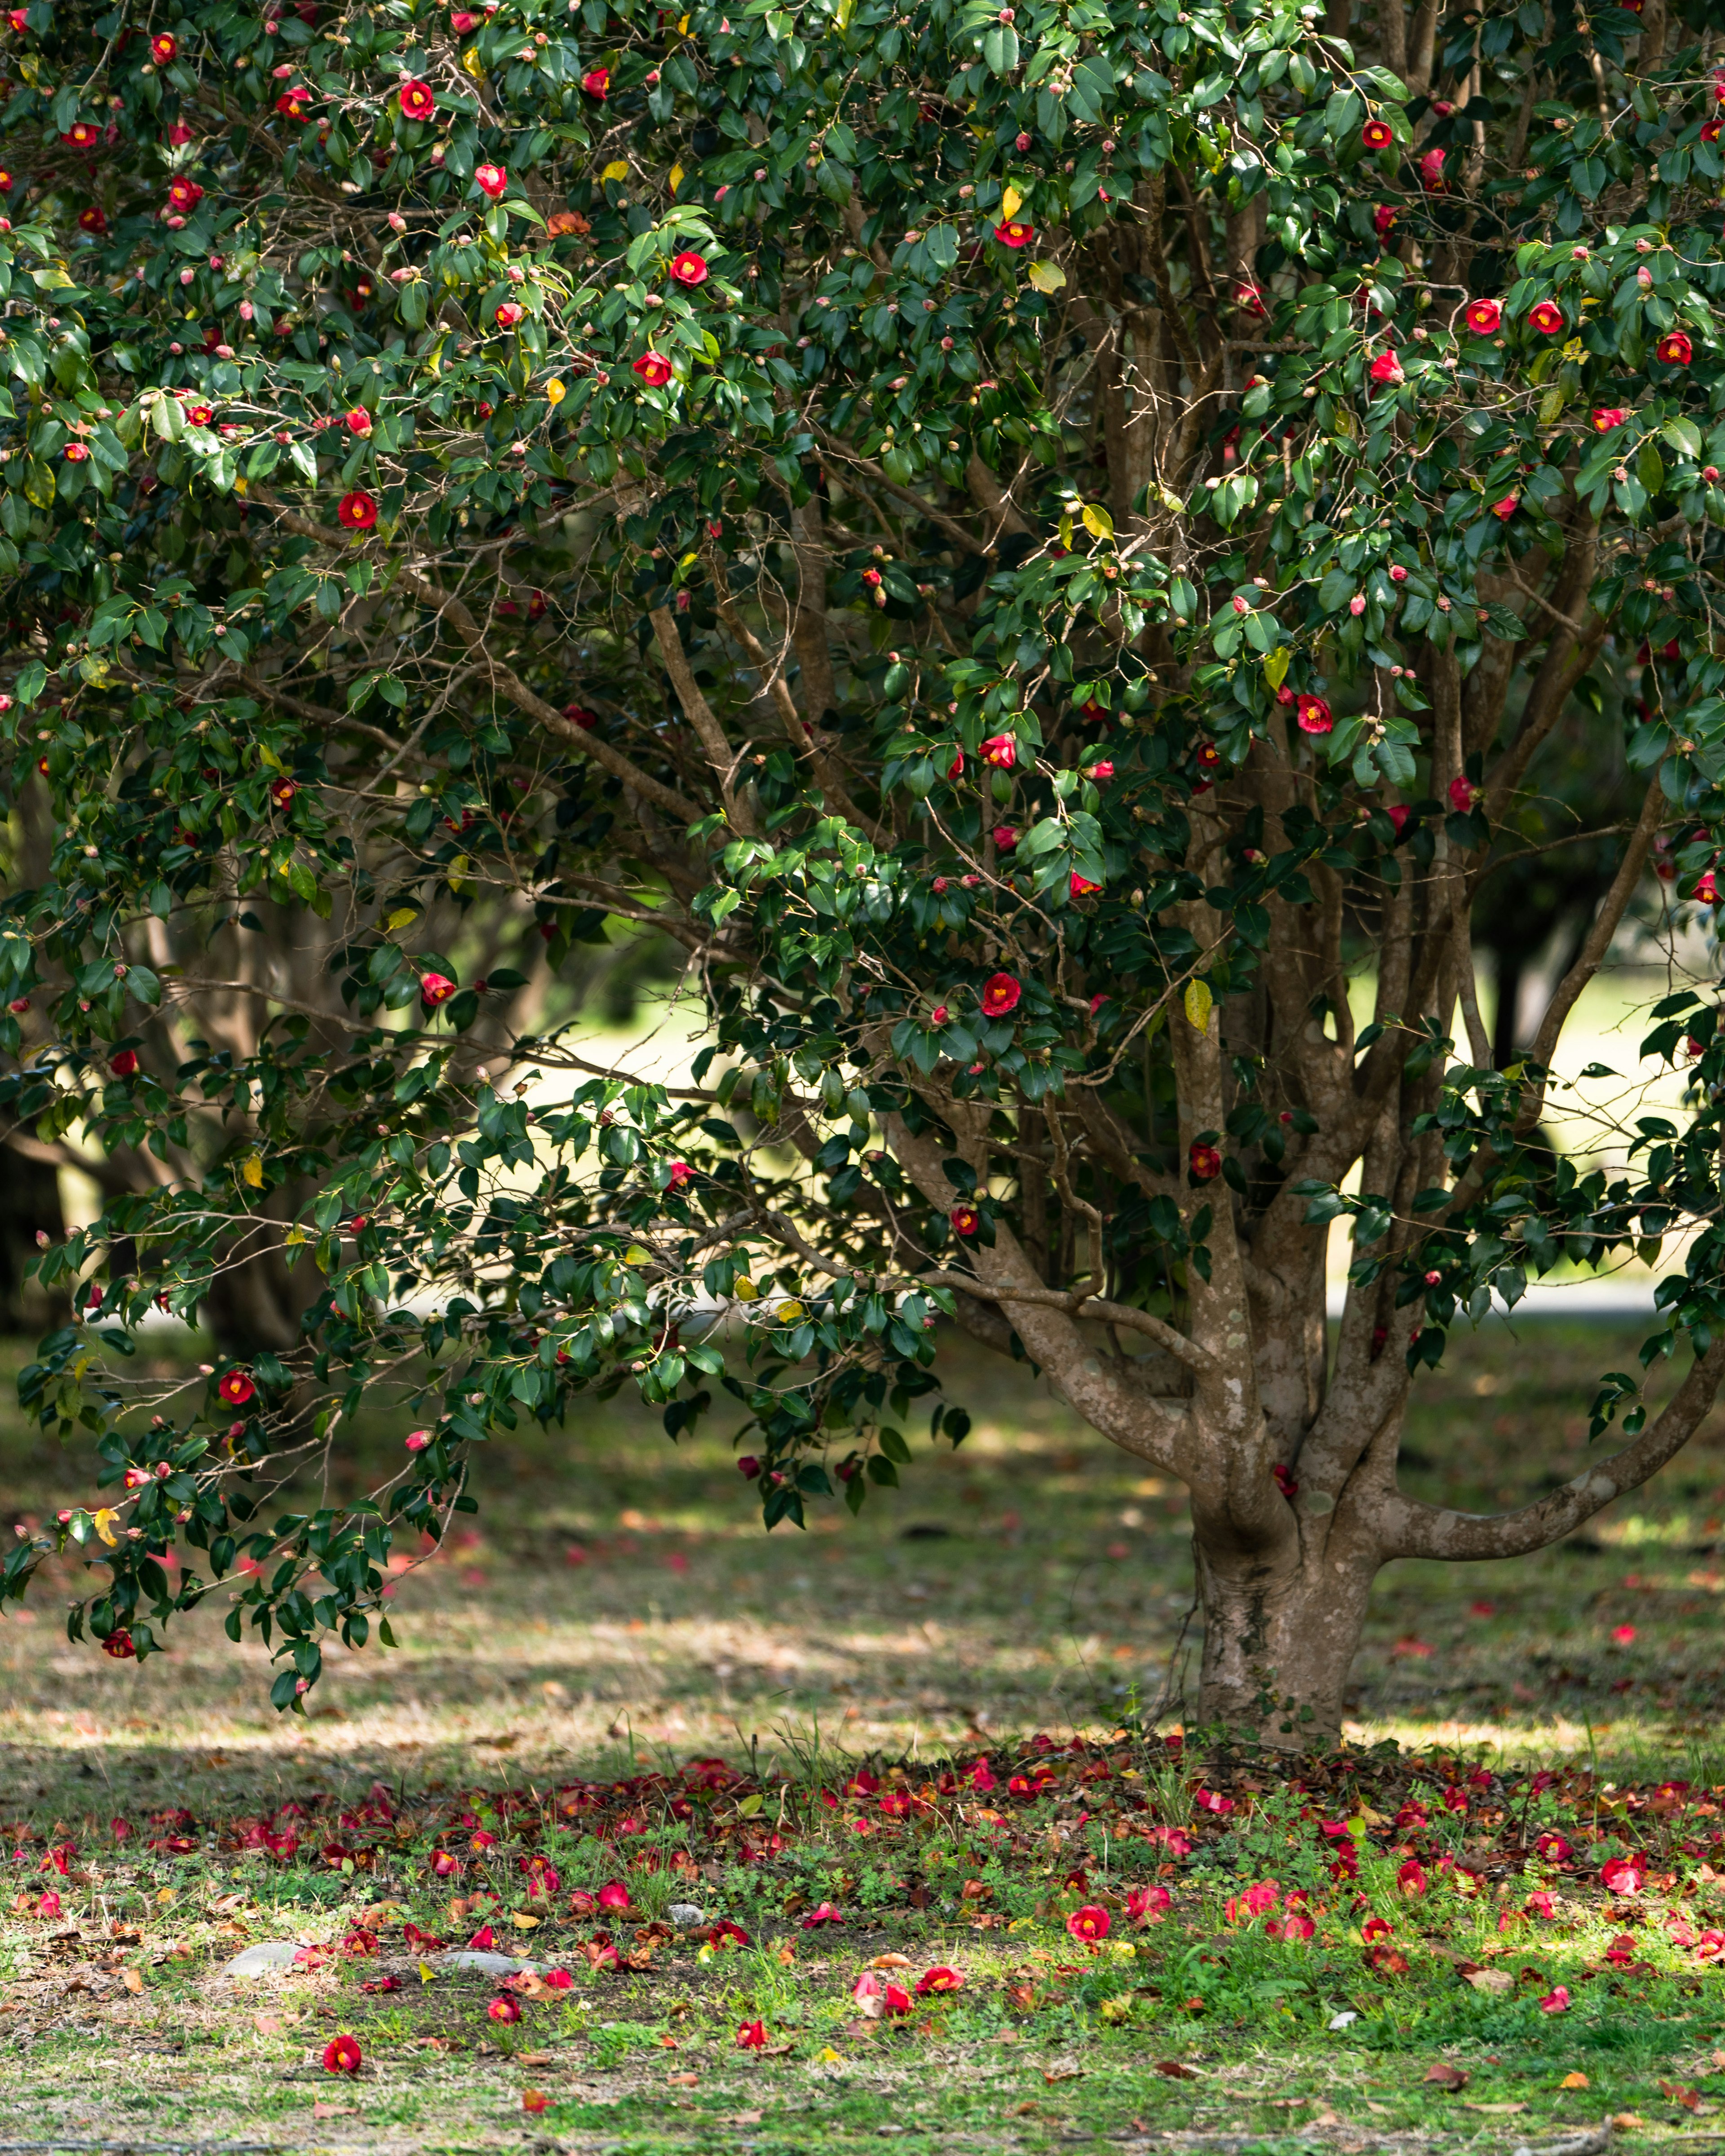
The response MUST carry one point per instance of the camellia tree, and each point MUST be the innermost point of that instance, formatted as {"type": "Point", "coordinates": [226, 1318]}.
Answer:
{"type": "Point", "coordinates": [1040, 546]}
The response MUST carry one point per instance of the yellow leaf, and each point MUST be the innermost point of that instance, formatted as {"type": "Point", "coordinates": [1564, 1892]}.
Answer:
{"type": "Point", "coordinates": [268, 757]}
{"type": "Point", "coordinates": [1097, 521]}
{"type": "Point", "coordinates": [1046, 276]}
{"type": "Point", "coordinates": [428, 1975]}
{"type": "Point", "coordinates": [1198, 1001]}
{"type": "Point", "coordinates": [683, 22]}
{"type": "Point", "coordinates": [746, 1290]}
{"type": "Point", "coordinates": [400, 918]}
{"type": "Point", "coordinates": [251, 1170]}
{"type": "Point", "coordinates": [470, 62]}
{"type": "Point", "coordinates": [788, 1312]}
{"type": "Point", "coordinates": [166, 1893]}
{"type": "Point", "coordinates": [1010, 204]}
{"type": "Point", "coordinates": [676, 177]}
{"type": "Point", "coordinates": [617, 169]}
{"type": "Point", "coordinates": [103, 1522]}
{"type": "Point", "coordinates": [130, 1979]}
{"type": "Point", "coordinates": [295, 1237]}
{"type": "Point", "coordinates": [1276, 665]}
{"type": "Point", "coordinates": [523, 1922]}
{"type": "Point", "coordinates": [555, 393]}
{"type": "Point", "coordinates": [829, 2057]}
{"type": "Point", "coordinates": [636, 1255]}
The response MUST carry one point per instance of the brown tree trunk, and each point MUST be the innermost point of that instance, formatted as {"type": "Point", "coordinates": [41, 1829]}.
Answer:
{"type": "Point", "coordinates": [1280, 1635]}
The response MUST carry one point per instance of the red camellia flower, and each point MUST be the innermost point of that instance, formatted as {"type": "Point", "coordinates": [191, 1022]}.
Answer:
{"type": "Point", "coordinates": [1507, 507]}
{"type": "Point", "coordinates": [752, 2036]}
{"type": "Point", "coordinates": [235, 1388]}
{"type": "Point", "coordinates": [125, 1064]}
{"type": "Point", "coordinates": [826, 1913]}
{"type": "Point", "coordinates": [92, 220]}
{"type": "Point", "coordinates": [292, 102]}
{"type": "Point", "coordinates": [596, 83]}
{"type": "Point", "coordinates": [689, 268]}
{"type": "Point", "coordinates": [1377, 135]}
{"type": "Point", "coordinates": [1146, 1905]}
{"type": "Point", "coordinates": [1204, 1162]}
{"type": "Point", "coordinates": [120, 1646]}
{"type": "Point", "coordinates": [1674, 349]}
{"type": "Point", "coordinates": [1005, 838]}
{"type": "Point", "coordinates": [1313, 715]}
{"type": "Point", "coordinates": [82, 135]}
{"type": "Point", "coordinates": [1606, 417]}
{"type": "Point", "coordinates": [1484, 317]}
{"type": "Point", "coordinates": [1547, 318]}
{"type": "Point", "coordinates": [504, 2008]}
{"type": "Point", "coordinates": [682, 1174]}
{"type": "Point", "coordinates": [357, 421]}
{"type": "Point", "coordinates": [462, 21]}
{"type": "Point", "coordinates": [1387, 367]}
{"type": "Point", "coordinates": [184, 195]}
{"type": "Point", "coordinates": [940, 1979]}
{"type": "Point", "coordinates": [1556, 2001]}
{"type": "Point", "coordinates": [1411, 1876]}
{"type": "Point", "coordinates": [965, 1220]}
{"type": "Point", "coordinates": [1382, 218]}
{"type": "Point", "coordinates": [341, 2054]}
{"type": "Point", "coordinates": [1001, 993]}
{"type": "Point", "coordinates": [1090, 1922]}
{"type": "Point", "coordinates": [508, 314]}
{"type": "Point", "coordinates": [1014, 234]}
{"type": "Point", "coordinates": [75, 453]}
{"type": "Point", "coordinates": [585, 720]}
{"type": "Point", "coordinates": [356, 511]}
{"type": "Point", "coordinates": [1001, 751]}
{"type": "Point", "coordinates": [436, 989]}
{"type": "Point", "coordinates": [654, 368]}
{"type": "Point", "coordinates": [613, 1895]}
{"type": "Point", "coordinates": [163, 47]}
{"type": "Point", "coordinates": [1082, 887]}
{"type": "Point", "coordinates": [491, 180]}
{"type": "Point", "coordinates": [1462, 794]}
{"type": "Point", "coordinates": [417, 100]}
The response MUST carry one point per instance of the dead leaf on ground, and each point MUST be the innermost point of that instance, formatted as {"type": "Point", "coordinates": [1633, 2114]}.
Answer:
{"type": "Point", "coordinates": [131, 1979]}
{"type": "Point", "coordinates": [1574, 2081]}
{"type": "Point", "coordinates": [1174, 2071]}
{"type": "Point", "coordinates": [744, 2119]}
{"type": "Point", "coordinates": [1627, 2122]}
{"type": "Point", "coordinates": [1490, 1980]}
{"type": "Point", "coordinates": [892, 1961]}
{"type": "Point", "coordinates": [267, 2024]}
{"type": "Point", "coordinates": [684, 2080]}
{"type": "Point", "coordinates": [1682, 2092]}
{"type": "Point", "coordinates": [1442, 2075]}
{"type": "Point", "coordinates": [1497, 2110]}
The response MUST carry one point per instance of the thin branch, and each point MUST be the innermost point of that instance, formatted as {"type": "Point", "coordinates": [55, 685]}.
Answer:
{"type": "Point", "coordinates": [1416, 1530]}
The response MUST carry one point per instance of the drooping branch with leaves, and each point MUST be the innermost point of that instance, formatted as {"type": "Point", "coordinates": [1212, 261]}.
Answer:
{"type": "Point", "coordinates": [1054, 556]}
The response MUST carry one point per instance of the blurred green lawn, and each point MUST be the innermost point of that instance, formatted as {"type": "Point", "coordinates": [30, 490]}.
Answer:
{"type": "Point", "coordinates": [618, 1590]}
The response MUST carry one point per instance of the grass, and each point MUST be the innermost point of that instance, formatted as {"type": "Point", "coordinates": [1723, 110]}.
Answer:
{"type": "Point", "coordinates": [620, 1614]}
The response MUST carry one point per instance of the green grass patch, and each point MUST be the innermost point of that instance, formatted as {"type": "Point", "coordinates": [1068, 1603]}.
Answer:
{"type": "Point", "coordinates": [620, 1681]}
